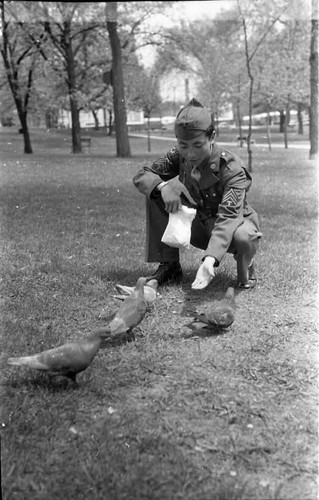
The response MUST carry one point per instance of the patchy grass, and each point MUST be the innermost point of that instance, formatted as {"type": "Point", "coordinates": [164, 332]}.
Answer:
{"type": "Point", "coordinates": [169, 416]}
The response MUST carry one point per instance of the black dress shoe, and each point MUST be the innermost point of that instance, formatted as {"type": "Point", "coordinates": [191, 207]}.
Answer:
{"type": "Point", "coordinates": [167, 272]}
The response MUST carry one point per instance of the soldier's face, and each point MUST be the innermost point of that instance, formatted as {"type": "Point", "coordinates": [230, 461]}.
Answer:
{"type": "Point", "coordinates": [195, 150]}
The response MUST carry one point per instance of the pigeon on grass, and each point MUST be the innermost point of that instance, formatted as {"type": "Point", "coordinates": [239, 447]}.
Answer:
{"type": "Point", "coordinates": [150, 291]}
{"type": "Point", "coordinates": [67, 360]}
{"type": "Point", "coordinates": [220, 313]}
{"type": "Point", "coordinates": [131, 312]}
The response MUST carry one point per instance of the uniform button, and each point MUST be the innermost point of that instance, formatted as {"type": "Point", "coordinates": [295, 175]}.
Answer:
{"type": "Point", "coordinates": [214, 195]}
{"type": "Point", "coordinates": [213, 165]}
{"type": "Point", "coordinates": [223, 153]}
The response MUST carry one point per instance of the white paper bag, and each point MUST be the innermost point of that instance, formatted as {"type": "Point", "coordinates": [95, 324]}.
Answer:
{"type": "Point", "coordinates": [178, 230]}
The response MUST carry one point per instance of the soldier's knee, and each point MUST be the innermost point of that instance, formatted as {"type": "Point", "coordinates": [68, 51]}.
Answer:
{"type": "Point", "coordinates": [241, 237]}
{"type": "Point", "coordinates": [246, 237]}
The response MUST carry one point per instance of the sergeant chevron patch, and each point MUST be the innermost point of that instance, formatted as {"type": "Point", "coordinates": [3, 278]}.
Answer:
{"type": "Point", "coordinates": [230, 198]}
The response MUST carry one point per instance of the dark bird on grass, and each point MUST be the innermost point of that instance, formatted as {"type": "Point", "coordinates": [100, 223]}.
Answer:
{"type": "Point", "coordinates": [150, 291]}
{"type": "Point", "coordinates": [220, 313]}
{"type": "Point", "coordinates": [67, 360]}
{"type": "Point", "coordinates": [131, 312]}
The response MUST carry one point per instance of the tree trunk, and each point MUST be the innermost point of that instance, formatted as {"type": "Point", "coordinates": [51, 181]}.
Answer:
{"type": "Point", "coordinates": [148, 134]}
{"type": "Point", "coordinates": [251, 86]}
{"type": "Point", "coordinates": [96, 120]}
{"type": "Point", "coordinates": [239, 120]}
{"type": "Point", "coordinates": [76, 128]}
{"type": "Point", "coordinates": [287, 115]}
{"type": "Point", "coordinates": [268, 126]}
{"type": "Point", "coordinates": [122, 142]}
{"type": "Point", "coordinates": [249, 150]}
{"type": "Point", "coordinates": [313, 118]}
{"type": "Point", "coordinates": [12, 71]}
{"type": "Point", "coordinates": [110, 121]}
{"type": "Point", "coordinates": [75, 113]}
{"type": "Point", "coordinates": [300, 121]}
{"type": "Point", "coordinates": [22, 113]}
{"type": "Point", "coordinates": [187, 95]}
{"type": "Point", "coordinates": [240, 129]}
{"type": "Point", "coordinates": [25, 131]}
{"type": "Point", "coordinates": [282, 122]}
{"type": "Point", "coordinates": [216, 119]}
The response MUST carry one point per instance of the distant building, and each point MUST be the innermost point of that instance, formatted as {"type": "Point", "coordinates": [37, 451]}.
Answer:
{"type": "Point", "coordinates": [87, 119]}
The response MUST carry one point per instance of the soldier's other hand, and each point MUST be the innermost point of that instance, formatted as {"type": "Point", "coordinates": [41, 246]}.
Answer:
{"type": "Point", "coordinates": [205, 274]}
{"type": "Point", "coordinates": [171, 195]}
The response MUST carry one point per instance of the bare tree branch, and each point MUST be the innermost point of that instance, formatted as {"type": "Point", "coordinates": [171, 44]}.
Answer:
{"type": "Point", "coordinates": [264, 36]}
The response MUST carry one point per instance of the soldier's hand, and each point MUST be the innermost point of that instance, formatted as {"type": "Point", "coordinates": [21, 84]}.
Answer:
{"type": "Point", "coordinates": [171, 195]}
{"type": "Point", "coordinates": [205, 274]}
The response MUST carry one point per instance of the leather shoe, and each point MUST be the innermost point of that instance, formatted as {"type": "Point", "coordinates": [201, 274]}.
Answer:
{"type": "Point", "coordinates": [167, 272]}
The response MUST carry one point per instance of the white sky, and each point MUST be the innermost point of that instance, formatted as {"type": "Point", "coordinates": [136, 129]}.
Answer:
{"type": "Point", "coordinates": [200, 10]}
{"type": "Point", "coordinates": [205, 8]}
{"type": "Point", "coordinates": [190, 11]}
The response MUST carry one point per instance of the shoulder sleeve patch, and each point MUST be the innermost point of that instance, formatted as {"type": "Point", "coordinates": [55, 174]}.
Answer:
{"type": "Point", "coordinates": [230, 198]}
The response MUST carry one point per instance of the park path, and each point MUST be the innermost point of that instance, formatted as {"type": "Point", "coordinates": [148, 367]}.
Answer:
{"type": "Point", "coordinates": [291, 145]}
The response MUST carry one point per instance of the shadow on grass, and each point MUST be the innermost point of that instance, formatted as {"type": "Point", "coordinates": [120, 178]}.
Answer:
{"type": "Point", "coordinates": [123, 276]}
{"type": "Point", "coordinates": [199, 330]}
{"type": "Point", "coordinates": [119, 340]}
{"type": "Point", "coordinates": [42, 382]}
{"type": "Point", "coordinates": [215, 290]}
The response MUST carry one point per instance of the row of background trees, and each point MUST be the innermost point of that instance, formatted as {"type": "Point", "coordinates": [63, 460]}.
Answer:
{"type": "Point", "coordinates": [259, 56]}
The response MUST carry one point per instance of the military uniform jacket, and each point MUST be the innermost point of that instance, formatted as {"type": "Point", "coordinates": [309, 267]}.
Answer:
{"type": "Point", "coordinates": [220, 193]}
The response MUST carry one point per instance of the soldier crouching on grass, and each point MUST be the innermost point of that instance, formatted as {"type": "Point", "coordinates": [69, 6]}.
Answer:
{"type": "Point", "coordinates": [201, 174]}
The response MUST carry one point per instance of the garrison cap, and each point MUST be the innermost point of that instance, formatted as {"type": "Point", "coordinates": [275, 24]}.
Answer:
{"type": "Point", "coordinates": [192, 120]}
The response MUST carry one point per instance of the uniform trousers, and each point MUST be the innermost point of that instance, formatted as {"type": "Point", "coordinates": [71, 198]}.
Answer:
{"type": "Point", "coordinates": [243, 246]}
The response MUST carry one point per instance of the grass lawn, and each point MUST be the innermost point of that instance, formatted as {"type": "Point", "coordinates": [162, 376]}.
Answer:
{"type": "Point", "coordinates": [171, 415]}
